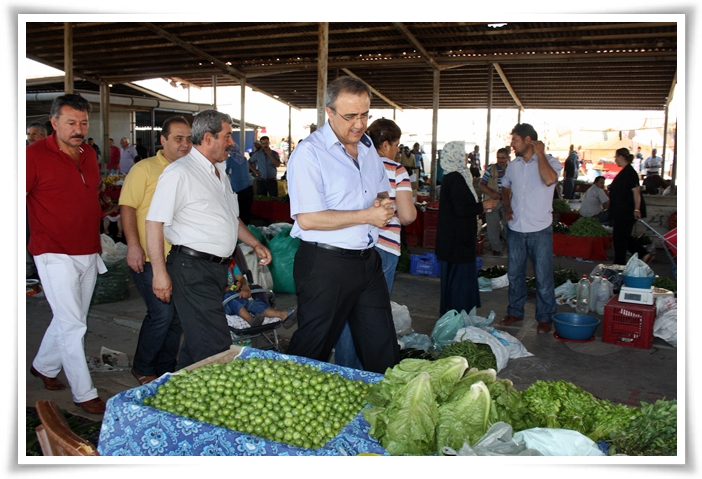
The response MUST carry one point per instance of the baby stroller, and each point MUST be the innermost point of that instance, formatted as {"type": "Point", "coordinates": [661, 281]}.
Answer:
{"type": "Point", "coordinates": [670, 246]}
{"type": "Point", "coordinates": [264, 336]}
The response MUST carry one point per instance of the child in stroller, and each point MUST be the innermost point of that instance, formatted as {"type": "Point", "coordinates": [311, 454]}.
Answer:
{"type": "Point", "coordinates": [253, 310]}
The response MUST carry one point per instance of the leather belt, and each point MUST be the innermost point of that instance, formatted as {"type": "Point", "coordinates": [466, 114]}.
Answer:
{"type": "Point", "coordinates": [355, 252]}
{"type": "Point", "coordinates": [201, 255]}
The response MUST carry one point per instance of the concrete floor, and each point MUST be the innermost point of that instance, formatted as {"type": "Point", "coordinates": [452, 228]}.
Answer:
{"type": "Point", "coordinates": [620, 374]}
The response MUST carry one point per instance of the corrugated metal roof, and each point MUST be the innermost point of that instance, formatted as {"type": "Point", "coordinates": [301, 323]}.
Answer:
{"type": "Point", "coordinates": [549, 65]}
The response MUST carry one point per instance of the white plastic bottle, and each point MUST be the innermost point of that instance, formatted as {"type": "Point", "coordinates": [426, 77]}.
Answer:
{"type": "Point", "coordinates": [604, 292]}
{"type": "Point", "coordinates": [582, 305]}
{"type": "Point", "coordinates": [593, 291]}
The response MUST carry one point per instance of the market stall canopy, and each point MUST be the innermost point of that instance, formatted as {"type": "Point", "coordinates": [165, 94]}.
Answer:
{"type": "Point", "coordinates": [539, 65]}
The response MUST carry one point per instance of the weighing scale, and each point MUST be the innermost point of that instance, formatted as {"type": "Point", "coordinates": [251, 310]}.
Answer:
{"type": "Point", "coordinates": [636, 295]}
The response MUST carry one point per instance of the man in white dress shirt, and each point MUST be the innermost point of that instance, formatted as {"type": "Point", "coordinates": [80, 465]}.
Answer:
{"type": "Point", "coordinates": [197, 211]}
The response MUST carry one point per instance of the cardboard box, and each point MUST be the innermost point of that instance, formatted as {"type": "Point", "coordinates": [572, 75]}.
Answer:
{"type": "Point", "coordinates": [222, 358]}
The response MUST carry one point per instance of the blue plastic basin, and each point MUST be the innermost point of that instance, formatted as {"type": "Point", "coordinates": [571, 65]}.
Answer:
{"type": "Point", "coordinates": [578, 327]}
{"type": "Point", "coordinates": [638, 282]}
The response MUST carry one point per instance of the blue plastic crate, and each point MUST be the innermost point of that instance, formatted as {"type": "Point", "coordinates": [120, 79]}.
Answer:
{"type": "Point", "coordinates": [425, 264]}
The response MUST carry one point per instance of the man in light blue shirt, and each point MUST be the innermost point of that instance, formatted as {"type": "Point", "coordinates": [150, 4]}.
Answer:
{"type": "Point", "coordinates": [338, 198]}
{"type": "Point", "coordinates": [238, 169]}
{"type": "Point", "coordinates": [267, 162]}
{"type": "Point", "coordinates": [527, 193]}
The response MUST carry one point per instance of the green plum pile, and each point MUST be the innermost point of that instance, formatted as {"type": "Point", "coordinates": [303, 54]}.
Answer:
{"type": "Point", "coordinates": [285, 401]}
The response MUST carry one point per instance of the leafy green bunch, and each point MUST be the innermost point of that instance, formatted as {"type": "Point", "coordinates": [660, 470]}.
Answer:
{"type": "Point", "coordinates": [588, 226]}
{"type": "Point", "coordinates": [652, 432]}
{"type": "Point", "coordinates": [422, 406]}
{"type": "Point", "coordinates": [561, 404]}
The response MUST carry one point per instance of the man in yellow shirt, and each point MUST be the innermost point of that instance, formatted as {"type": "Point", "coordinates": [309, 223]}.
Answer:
{"type": "Point", "coordinates": [159, 338]}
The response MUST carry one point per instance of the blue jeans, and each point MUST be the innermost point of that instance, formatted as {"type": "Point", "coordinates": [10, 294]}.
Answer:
{"type": "Point", "coordinates": [344, 349]}
{"type": "Point", "coordinates": [389, 266]}
{"type": "Point", "coordinates": [537, 246]}
{"type": "Point", "coordinates": [159, 338]}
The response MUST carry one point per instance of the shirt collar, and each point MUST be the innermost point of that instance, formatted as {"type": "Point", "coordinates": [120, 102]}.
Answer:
{"type": "Point", "coordinates": [330, 138]}
{"type": "Point", "coordinates": [204, 162]}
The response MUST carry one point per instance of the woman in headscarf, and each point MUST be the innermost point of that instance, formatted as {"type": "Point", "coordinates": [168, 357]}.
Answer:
{"type": "Point", "coordinates": [626, 204]}
{"type": "Point", "coordinates": [457, 231]}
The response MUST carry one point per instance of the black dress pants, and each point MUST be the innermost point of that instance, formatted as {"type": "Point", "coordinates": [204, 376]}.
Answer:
{"type": "Point", "coordinates": [198, 288]}
{"type": "Point", "coordinates": [623, 241]}
{"type": "Point", "coordinates": [334, 287]}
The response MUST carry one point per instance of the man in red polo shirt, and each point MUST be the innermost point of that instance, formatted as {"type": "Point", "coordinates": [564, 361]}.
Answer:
{"type": "Point", "coordinates": [64, 217]}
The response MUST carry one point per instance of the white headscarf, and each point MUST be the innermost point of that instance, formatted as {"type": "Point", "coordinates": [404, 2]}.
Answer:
{"type": "Point", "coordinates": [453, 158]}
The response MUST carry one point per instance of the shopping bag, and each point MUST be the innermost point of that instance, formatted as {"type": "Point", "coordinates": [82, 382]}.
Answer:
{"type": "Point", "coordinates": [445, 329]}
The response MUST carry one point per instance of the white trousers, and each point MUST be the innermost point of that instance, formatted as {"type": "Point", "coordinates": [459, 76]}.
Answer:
{"type": "Point", "coordinates": [68, 283]}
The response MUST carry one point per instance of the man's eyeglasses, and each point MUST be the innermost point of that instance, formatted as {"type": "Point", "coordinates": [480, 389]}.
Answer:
{"type": "Point", "coordinates": [352, 118]}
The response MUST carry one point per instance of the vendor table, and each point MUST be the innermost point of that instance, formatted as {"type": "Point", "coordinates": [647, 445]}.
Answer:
{"type": "Point", "coordinates": [131, 429]}
{"type": "Point", "coordinates": [567, 218]}
{"type": "Point", "coordinates": [272, 210]}
{"type": "Point", "coordinates": [586, 247]}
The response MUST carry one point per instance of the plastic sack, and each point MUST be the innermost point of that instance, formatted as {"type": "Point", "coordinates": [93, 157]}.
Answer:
{"type": "Point", "coordinates": [479, 335]}
{"type": "Point", "coordinates": [613, 273]}
{"type": "Point", "coordinates": [558, 442]}
{"type": "Point", "coordinates": [501, 282]}
{"type": "Point", "coordinates": [497, 441]}
{"type": "Point", "coordinates": [112, 252]}
{"type": "Point", "coordinates": [416, 341]}
{"type": "Point", "coordinates": [637, 268]}
{"type": "Point", "coordinates": [259, 234]}
{"type": "Point", "coordinates": [471, 319]}
{"type": "Point", "coordinates": [261, 274]}
{"type": "Point", "coordinates": [503, 345]}
{"type": "Point", "coordinates": [283, 248]}
{"type": "Point", "coordinates": [445, 329]}
{"type": "Point", "coordinates": [666, 324]}
{"type": "Point", "coordinates": [566, 293]}
{"type": "Point", "coordinates": [484, 284]}
{"type": "Point", "coordinates": [401, 318]}
{"type": "Point", "coordinates": [113, 285]}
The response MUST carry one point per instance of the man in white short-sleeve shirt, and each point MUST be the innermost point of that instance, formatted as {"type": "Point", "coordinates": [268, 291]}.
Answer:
{"type": "Point", "coordinates": [197, 211]}
{"type": "Point", "coordinates": [595, 201]}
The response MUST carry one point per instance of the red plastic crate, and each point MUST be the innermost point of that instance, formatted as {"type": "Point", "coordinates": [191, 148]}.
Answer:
{"type": "Point", "coordinates": [628, 324]}
{"type": "Point", "coordinates": [431, 219]}
{"type": "Point", "coordinates": [429, 240]}
{"type": "Point", "coordinates": [412, 240]}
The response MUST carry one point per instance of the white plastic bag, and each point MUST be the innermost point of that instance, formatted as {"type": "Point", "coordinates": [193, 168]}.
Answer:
{"type": "Point", "coordinates": [566, 293]}
{"type": "Point", "coordinates": [558, 442]}
{"type": "Point", "coordinates": [401, 318]}
{"type": "Point", "coordinates": [497, 441]}
{"type": "Point", "coordinates": [261, 274]}
{"type": "Point", "coordinates": [501, 282]}
{"type": "Point", "coordinates": [666, 324]}
{"type": "Point", "coordinates": [637, 268]}
{"type": "Point", "coordinates": [479, 335]}
{"type": "Point", "coordinates": [111, 251]}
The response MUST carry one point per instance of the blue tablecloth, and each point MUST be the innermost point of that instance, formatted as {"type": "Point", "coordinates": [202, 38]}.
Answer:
{"type": "Point", "coordinates": [131, 429]}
